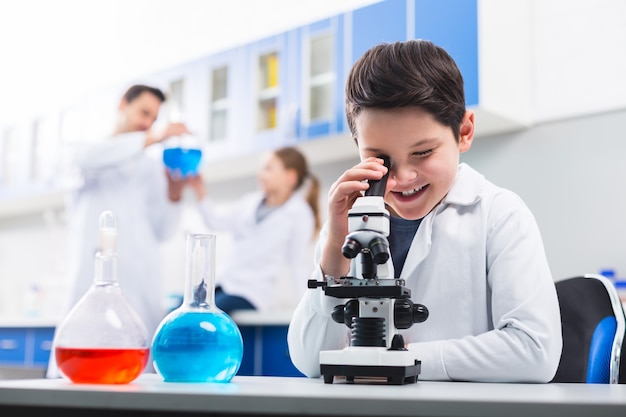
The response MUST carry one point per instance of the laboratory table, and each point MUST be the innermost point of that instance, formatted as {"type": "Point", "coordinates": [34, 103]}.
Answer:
{"type": "Point", "coordinates": [284, 396]}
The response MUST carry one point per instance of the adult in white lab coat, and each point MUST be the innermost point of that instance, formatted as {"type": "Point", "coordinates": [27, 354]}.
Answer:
{"type": "Point", "coordinates": [272, 230]}
{"type": "Point", "coordinates": [117, 174]}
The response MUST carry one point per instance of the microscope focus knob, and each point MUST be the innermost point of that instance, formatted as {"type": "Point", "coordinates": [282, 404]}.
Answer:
{"type": "Point", "coordinates": [405, 313]}
{"type": "Point", "coordinates": [344, 313]}
{"type": "Point", "coordinates": [420, 313]}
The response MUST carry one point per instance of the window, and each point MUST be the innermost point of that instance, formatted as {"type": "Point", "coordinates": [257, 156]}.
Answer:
{"type": "Point", "coordinates": [321, 78]}
{"type": "Point", "coordinates": [175, 101]}
{"type": "Point", "coordinates": [218, 117]}
{"type": "Point", "coordinates": [268, 91]}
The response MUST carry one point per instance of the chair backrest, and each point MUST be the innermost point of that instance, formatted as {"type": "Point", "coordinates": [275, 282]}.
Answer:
{"type": "Point", "coordinates": [593, 326]}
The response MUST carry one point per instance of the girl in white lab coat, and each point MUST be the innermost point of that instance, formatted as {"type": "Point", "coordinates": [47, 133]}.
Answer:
{"type": "Point", "coordinates": [273, 231]}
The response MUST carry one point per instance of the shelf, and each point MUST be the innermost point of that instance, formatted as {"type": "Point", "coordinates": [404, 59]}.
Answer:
{"type": "Point", "coordinates": [268, 94]}
{"type": "Point", "coordinates": [32, 203]}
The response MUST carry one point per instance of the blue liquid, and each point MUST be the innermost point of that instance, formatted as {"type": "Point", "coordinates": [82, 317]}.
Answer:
{"type": "Point", "coordinates": [197, 347]}
{"type": "Point", "coordinates": [185, 161]}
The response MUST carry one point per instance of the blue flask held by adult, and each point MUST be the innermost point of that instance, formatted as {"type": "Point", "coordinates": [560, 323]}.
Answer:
{"type": "Point", "coordinates": [183, 155]}
{"type": "Point", "coordinates": [198, 342]}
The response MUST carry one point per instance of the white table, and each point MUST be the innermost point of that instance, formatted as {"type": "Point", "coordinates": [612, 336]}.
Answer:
{"type": "Point", "coordinates": [275, 396]}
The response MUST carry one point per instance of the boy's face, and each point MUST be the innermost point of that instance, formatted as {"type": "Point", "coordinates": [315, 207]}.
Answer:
{"type": "Point", "coordinates": [424, 155]}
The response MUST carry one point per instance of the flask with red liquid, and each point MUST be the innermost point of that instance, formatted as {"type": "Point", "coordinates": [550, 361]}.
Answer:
{"type": "Point", "coordinates": [103, 340]}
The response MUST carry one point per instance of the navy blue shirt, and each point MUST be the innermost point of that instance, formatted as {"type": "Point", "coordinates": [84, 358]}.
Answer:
{"type": "Point", "coordinates": [401, 234]}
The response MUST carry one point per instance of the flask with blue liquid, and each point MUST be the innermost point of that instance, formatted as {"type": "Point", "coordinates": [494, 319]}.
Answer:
{"type": "Point", "coordinates": [198, 342]}
{"type": "Point", "coordinates": [182, 155]}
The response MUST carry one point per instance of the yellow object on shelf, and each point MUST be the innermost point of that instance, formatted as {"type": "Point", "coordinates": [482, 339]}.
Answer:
{"type": "Point", "coordinates": [271, 117]}
{"type": "Point", "coordinates": [271, 70]}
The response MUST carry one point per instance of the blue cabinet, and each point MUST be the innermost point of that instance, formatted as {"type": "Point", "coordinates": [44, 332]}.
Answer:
{"type": "Point", "coordinates": [12, 346]}
{"type": "Point", "coordinates": [25, 346]}
{"type": "Point", "coordinates": [451, 24]}
{"type": "Point", "coordinates": [380, 22]}
{"type": "Point", "coordinates": [275, 354]}
{"type": "Point", "coordinates": [267, 119]}
{"type": "Point", "coordinates": [265, 351]}
{"type": "Point", "coordinates": [42, 345]}
{"type": "Point", "coordinates": [289, 88]}
{"type": "Point", "coordinates": [319, 61]}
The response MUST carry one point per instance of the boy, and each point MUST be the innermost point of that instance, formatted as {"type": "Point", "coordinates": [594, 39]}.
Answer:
{"type": "Point", "coordinates": [469, 251]}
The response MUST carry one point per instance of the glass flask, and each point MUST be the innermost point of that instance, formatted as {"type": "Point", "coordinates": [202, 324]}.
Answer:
{"type": "Point", "coordinates": [103, 340]}
{"type": "Point", "coordinates": [198, 342]}
{"type": "Point", "coordinates": [182, 155]}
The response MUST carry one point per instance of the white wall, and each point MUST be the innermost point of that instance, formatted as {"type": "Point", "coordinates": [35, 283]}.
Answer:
{"type": "Point", "coordinates": [572, 175]}
{"type": "Point", "coordinates": [33, 265]}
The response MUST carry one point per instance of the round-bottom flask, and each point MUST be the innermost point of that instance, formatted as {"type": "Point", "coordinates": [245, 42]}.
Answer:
{"type": "Point", "coordinates": [102, 340]}
{"type": "Point", "coordinates": [182, 155]}
{"type": "Point", "coordinates": [198, 342]}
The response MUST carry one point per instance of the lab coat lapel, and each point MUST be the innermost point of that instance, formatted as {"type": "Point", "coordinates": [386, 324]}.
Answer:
{"type": "Point", "coordinates": [420, 247]}
{"type": "Point", "coordinates": [467, 190]}
{"type": "Point", "coordinates": [248, 210]}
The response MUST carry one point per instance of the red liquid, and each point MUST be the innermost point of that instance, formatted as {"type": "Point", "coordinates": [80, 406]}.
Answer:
{"type": "Point", "coordinates": [101, 366]}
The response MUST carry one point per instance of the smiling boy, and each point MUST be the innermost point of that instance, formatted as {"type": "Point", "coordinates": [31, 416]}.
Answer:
{"type": "Point", "coordinates": [468, 250]}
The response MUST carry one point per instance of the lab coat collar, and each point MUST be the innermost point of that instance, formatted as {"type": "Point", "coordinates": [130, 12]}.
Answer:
{"type": "Point", "coordinates": [466, 191]}
{"type": "Point", "coordinates": [467, 188]}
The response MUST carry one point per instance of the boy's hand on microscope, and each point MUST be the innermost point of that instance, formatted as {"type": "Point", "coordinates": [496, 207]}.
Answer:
{"type": "Point", "coordinates": [341, 197]}
{"type": "Point", "coordinates": [347, 189]}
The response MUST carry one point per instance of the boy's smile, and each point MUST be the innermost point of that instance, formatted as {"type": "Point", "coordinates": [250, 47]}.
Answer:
{"type": "Point", "coordinates": [424, 155]}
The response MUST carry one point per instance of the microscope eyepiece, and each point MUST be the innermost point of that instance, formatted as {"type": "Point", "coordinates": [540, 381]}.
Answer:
{"type": "Point", "coordinates": [377, 187]}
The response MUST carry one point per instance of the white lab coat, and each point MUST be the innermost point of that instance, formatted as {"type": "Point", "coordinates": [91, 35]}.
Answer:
{"type": "Point", "coordinates": [263, 251]}
{"type": "Point", "coordinates": [477, 263]}
{"type": "Point", "coordinates": [119, 175]}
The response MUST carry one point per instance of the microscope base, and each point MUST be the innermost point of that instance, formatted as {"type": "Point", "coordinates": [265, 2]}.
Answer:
{"type": "Point", "coordinates": [398, 367]}
{"type": "Point", "coordinates": [395, 375]}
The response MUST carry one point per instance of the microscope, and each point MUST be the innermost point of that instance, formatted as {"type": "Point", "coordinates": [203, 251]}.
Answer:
{"type": "Point", "coordinates": [378, 304]}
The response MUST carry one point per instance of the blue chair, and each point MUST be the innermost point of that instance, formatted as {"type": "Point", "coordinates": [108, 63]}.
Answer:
{"type": "Point", "coordinates": [593, 326]}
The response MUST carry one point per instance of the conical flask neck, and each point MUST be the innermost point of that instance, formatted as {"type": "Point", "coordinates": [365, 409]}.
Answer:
{"type": "Point", "coordinates": [200, 271]}
{"type": "Point", "coordinates": [105, 269]}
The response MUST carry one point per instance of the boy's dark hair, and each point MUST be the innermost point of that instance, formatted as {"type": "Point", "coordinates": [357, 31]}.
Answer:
{"type": "Point", "coordinates": [404, 74]}
{"type": "Point", "coordinates": [136, 90]}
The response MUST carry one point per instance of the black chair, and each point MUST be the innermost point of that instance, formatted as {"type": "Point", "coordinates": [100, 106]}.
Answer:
{"type": "Point", "coordinates": [593, 325]}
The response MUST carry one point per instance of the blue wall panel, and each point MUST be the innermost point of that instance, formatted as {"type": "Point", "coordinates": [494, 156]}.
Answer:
{"type": "Point", "coordinates": [377, 23]}
{"type": "Point", "coordinates": [453, 25]}
{"type": "Point", "coordinates": [341, 75]}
